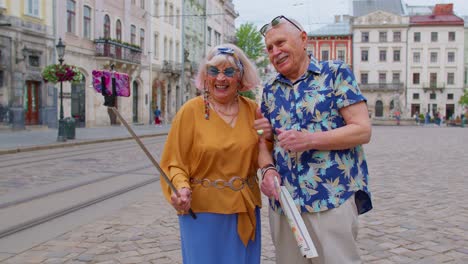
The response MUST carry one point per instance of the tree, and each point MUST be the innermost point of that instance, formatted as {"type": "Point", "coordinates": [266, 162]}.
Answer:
{"type": "Point", "coordinates": [250, 41]}
{"type": "Point", "coordinates": [464, 99]}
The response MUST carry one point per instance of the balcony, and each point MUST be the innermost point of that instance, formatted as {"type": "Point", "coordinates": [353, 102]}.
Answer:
{"type": "Point", "coordinates": [171, 67]}
{"type": "Point", "coordinates": [434, 87]}
{"type": "Point", "coordinates": [118, 51]}
{"type": "Point", "coordinates": [382, 87]}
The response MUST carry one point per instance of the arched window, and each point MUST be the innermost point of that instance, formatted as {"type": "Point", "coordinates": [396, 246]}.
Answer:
{"type": "Point", "coordinates": [392, 105]}
{"type": "Point", "coordinates": [118, 30]}
{"type": "Point", "coordinates": [107, 27]}
{"type": "Point", "coordinates": [378, 108]}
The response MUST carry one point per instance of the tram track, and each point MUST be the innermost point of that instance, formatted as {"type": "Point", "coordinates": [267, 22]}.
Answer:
{"type": "Point", "coordinates": [28, 214]}
{"type": "Point", "coordinates": [26, 208]}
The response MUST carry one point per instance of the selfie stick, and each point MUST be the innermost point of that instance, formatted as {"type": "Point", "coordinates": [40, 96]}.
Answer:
{"type": "Point", "coordinates": [148, 154]}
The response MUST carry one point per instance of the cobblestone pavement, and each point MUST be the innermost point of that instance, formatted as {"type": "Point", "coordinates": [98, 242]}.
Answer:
{"type": "Point", "coordinates": [419, 184]}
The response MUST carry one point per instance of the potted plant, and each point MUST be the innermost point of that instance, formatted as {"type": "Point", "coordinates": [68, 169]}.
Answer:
{"type": "Point", "coordinates": [55, 73]}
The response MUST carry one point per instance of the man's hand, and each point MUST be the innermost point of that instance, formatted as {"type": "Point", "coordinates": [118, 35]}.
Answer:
{"type": "Point", "coordinates": [293, 140]}
{"type": "Point", "coordinates": [268, 185]}
{"type": "Point", "coordinates": [182, 202]}
{"type": "Point", "coordinates": [261, 123]}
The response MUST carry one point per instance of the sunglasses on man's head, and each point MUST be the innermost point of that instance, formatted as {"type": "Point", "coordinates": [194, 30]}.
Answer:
{"type": "Point", "coordinates": [276, 21]}
{"type": "Point", "coordinates": [228, 72]}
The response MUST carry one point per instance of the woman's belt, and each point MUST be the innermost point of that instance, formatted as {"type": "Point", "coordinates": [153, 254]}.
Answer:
{"type": "Point", "coordinates": [236, 183]}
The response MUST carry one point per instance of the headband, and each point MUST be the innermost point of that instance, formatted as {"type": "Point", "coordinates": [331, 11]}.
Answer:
{"type": "Point", "coordinates": [230, 51]}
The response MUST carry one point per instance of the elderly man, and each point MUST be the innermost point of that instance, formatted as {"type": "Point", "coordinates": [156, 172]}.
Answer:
{"type": "Point", "coordinates": [319, 121]}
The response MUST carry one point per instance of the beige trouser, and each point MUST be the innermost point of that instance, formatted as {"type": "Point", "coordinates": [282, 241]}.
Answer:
{"type": "Point", "coordinates": [334, 233]}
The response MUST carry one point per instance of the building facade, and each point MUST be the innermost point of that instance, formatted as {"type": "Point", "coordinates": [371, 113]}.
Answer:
{"type": "Point", "coordinates": [158, 43]}
{"type": "Point", "coordinates": [436, 64]}
{"type": "Point", "coordinates": [26, 46]}
{"type": "Point", "coordinates": [379, 45]}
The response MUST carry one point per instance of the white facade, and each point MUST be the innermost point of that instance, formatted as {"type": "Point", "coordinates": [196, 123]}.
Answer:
{"type": "Point", "coordinates": [436, 69]}
{"type": "Point", "coordinates": [379, 48]}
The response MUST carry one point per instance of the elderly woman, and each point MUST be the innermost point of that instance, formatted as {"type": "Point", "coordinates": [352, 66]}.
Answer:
{"type": "Point", "coordinates": [211, 157]}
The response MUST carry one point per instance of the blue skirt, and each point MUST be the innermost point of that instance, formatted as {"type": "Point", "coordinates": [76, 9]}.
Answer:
{"type": "Point", "coordinates": [213, 239]}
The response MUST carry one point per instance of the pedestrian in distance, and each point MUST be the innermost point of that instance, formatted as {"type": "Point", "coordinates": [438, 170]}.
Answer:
{"type": "Point", "coordinates": [319, 121]}
{"type": "Point", "coordinates": [157, 116]}
{"type": "Point", "coordinates": [398, 117]}
{"type": "Point", "coordinates": [211, 156]}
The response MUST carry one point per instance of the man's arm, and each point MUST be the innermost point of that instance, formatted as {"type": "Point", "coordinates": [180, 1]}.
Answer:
{"type": "Point", "coordinates": [356, 131]}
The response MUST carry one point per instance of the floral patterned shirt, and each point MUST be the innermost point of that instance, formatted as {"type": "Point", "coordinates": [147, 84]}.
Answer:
{"type": "Point", "coordinates": [317, 180]}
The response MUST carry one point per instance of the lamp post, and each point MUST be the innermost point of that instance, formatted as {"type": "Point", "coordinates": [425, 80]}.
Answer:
{"type": "Point", "coordinates": [60, 47]}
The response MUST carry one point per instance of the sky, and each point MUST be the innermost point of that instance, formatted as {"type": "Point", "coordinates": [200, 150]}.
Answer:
{"type": "Point", "coordinates": [313, 14]}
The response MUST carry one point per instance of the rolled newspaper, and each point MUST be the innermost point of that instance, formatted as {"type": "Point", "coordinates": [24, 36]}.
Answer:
{"type": "Point", "coordinates": [303, 239]}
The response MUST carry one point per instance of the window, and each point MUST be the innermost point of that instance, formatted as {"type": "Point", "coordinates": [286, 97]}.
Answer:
{"type": "Point", "coordinates": [142, 4]}
{"type": "Point", "coordinates": [365, 36]}
{"type": "Point", "coordinates": [382, 77]}
{"type": "Point", "coordinates": [177, 18]}
{"type": "Point", "coordinates": [133, 2]}
{"type": "Point", "coordinates": [433, 96]}
{"type": "Point", "coordinates": [416, 96]}
{"type": "Point", "coordinates": [208, 33]}
{"type": "Point", "coordinates": [71, 16]}
{"type": "Point", "coordinates": [416, 78]}
{"type": "Point", "coordinates": [32, 8]}
{"type": "Point", "coordinates": [451, 56]}
{"type": "Point", "coordinates": [382, 55]}
{"type": "Point", "coordinates": [451, 36]}
{"type": "Point", "coordinates": [396, 55]}
{"type": "Point", "coordinates": [450, 96]}
{"type": "Point", "coordinates": [383, 36]}
{"type": "Point", "coordinates": [156, 7]}
{"type": "Point", "coordinates": [166, 11]}
{"type": "Point", "coordinates": [2, 4]}
{"type": "Point", "coordinates": [396, 36]}
{"type": "Point", "coordinates": [133, 34]}
{"type": "Point", "coordinates": [325, 55]}
{"type": "Point", "coordinates": [118, 30]}
{"type": "Point", "coordinates": [433, 57]}
{"type": "Point", "coordinates": [450, 78]}
{"type": "Point", "coordinates": [156, 45]}
{"type": "Point", "coordinates": [364, 55]}
{"type": "Point", "coordinates": [434, 36]}
{"type": "Point", "coordinates": [87, 22]}
{"type": "Point", "coordinates": [1, 78]}
{"type": "Point", "coordinates": [217, 38]}
{"type": "Point", "coordinates": [433, 80]}
{"type": "Point", "coordinates": [107, 27]}
{"type": "Point", "coordinates": [142, 39]}
{"type": "Point", "coordinates": [417, 36]}
{"type": "Point", "coordinates": [177, 51]}
{"type": "Point", "coordinates": [364, 78]}
{"type": "Point", "coordinates": [396, 77]}
{"type": "Point", "coordinates": [341, 55]}
{"type": "Point", "coordinates": [165, 48]}
{"type": "Point", "coordinates": [416, 57]}
{"type": "Point", "coordinates": [171, 14]}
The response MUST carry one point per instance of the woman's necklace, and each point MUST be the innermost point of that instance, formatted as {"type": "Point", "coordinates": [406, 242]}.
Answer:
{"type": "Point", "coordinates": [224, 115]}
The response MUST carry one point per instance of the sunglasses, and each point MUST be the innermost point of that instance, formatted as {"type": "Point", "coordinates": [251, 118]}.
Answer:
{"type": "Point", "coordinates": [274, 22]}
{"type": "Point", "coordinates": [228, 72]}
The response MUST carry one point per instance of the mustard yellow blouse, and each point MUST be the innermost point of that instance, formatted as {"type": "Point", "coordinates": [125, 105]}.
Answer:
{"type": "Point", "coordinates": [212, 149]}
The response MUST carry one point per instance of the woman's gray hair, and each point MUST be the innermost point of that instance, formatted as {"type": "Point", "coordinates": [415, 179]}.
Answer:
{"type": "Point", "coordinates": [220, 54]}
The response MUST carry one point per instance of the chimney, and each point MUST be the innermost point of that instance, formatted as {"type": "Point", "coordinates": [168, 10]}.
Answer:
{"type": "Point", "coordinates": [443, 9]}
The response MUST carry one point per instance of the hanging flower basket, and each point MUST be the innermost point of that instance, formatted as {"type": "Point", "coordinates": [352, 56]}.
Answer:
{"type": "Point", "coordinates": [55, 73]}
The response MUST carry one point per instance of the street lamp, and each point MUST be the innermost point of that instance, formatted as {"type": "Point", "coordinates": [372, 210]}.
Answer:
{"type": "Point", "coordinates": [60, 47]}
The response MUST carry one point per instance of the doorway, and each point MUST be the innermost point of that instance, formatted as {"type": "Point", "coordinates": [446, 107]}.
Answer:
{"type": "Point", "coordinates": [135, 102]}
{"type": "Point", "coordinates": [78, 103]}
{"type": "Point", "coordinates": [31, 103]}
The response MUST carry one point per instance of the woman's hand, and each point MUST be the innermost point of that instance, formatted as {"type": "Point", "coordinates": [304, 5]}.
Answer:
{"type": "Point", "coordinates": [182, 202]}
{"type": "Point", "coordinates": [268, 185]}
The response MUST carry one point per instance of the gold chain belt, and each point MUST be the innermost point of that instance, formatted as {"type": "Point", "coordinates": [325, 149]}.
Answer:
{"type": "Point", "coordinates": [236, 183]}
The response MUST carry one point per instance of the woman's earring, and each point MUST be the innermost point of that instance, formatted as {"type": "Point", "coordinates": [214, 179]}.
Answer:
{"type": "Point", "coordinates": [206, 95]}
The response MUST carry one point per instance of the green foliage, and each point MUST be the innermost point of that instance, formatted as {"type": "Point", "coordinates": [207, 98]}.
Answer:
{"type": "Point", "coordinates": [464, 98]}
{"type": "Point", "coordinates": [251, 42]}
{"type": "Point", "coordinates": [249, 94]}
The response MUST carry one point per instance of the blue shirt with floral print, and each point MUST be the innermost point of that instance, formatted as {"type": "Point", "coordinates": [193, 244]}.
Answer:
{"type": "Point", "coordinates": [317, 180]}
